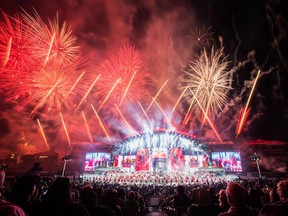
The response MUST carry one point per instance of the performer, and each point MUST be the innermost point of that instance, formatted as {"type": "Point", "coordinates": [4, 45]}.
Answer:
{"type": "Point", "coordinates": [3, 167]}
{"type": "Point", "coordinates": [205, 160]}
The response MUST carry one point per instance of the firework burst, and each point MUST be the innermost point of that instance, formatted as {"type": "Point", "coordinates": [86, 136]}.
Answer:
{"type": "Point", "coordinates": [200, 37]}
{"type": "Point", "coordinates": [16, 52]}
{"type": "Point", "coordinates": [39, 63]}
{"type": "Point", "coordinates": [55, 87]}
{"type": "Point", "coordinates": [53, 41]}
{"type": "Point", "coordinates": [125, 76]}
{"type": "Point", "coordinates": [208, 82]}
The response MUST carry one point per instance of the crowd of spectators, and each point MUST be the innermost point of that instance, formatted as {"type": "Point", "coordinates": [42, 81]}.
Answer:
{"type": "Point", "coordinates": [37, 195]}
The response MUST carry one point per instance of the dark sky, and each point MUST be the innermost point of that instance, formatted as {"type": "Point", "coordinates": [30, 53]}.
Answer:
{"type": "Point", "coordinates": [253, 34]}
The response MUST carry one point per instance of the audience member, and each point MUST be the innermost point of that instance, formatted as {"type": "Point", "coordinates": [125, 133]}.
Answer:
{"type": "Point", "coordinates": [2, 173]}
{"type": "Point", "coordinates": [180, 201]}
{"type": "Point", "coordinates": [237, 199]}
{"type": "Point", "coordinates": [279, 208]}
{"type": "Point", "coordinates": [22, 191]}
{"type": "Point", "coordinates": [89, 199]}
{"type": "Point", "coordinates": [223, 204]}
{"type": "Point", "coordinates": [131, 205]}
{"type": "Point", "coordinates": [254, 198]}
{"type": "Point", "coordinates": [58, 201]}
{"type": "Point", "coordinates": [109, 199]}
{"type": "Point", "coordinates": [273, 195]}
{"type": "Point", "coordinates": [202, 204]}
{"type": "Point", "coordinates": [10, 209]}
{"type": "Point", "coordinates": [120, 197]}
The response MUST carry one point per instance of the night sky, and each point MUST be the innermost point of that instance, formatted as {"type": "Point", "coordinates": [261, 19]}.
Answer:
{"type": "Point", "coordinates": [253, 35]}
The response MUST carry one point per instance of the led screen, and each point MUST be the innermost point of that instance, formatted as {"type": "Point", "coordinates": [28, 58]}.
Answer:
{"type": "Point", "coordinates": [95, 160]}
{"type": "Point", "coordinates": [230, 161]}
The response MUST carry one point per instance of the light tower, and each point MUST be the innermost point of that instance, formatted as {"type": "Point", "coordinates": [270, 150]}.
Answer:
{"type": "Point", "coordinates": [256, 158]}
{"type": "Point", "coordinates": [65, 159]}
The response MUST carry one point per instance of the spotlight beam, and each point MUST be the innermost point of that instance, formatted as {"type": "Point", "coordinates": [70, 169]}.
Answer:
{"type": "Point", "coordinates": [166, 117]}
{"type": "Point", "coordinates": [144, 114]}
{"type": "Point", "coordinates": [130, 128]}
{"type": "Point", "coordinates": [157, 94]}
{"type": "Point", "coordinates": [178, 101]}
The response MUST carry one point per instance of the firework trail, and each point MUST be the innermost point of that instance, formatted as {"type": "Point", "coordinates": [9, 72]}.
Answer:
{"type": "Point", "coordinates": [103, 127]}
{"type": "Point", "coordinates": [43, 134]}
{"type": "Point", "coordinates": [65, 129]}
{"type": "Point", "coordinates": [89, 90]}
{"type": "Point", "coordinates": [109, 94]}
{"type": "Point", "coordinates": [126, 90]}
{"type": "Point", "coordinates": [6, 57]}
{"type": "Point", "coordinates": [127, 66]}
{"type": "Point", "coordinates": [278, 32]}
{"type": "Point", "coordinates": [208, 82]}
{"type": "Point", "coordinates": [87, 127]}
{"type": "Point", "coordinates": [244, 113]}
{"type": "Point", "coordinates": [246, 110]}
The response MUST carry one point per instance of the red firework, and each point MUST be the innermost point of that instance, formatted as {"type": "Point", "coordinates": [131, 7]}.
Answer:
{"type": "Point", "coordinates": [16, 53]}
{"type": "Point", "coordinates": [53, 41]}
{"type": "Point", "coordinates": [55, 87]}
{"type": "Point", "coordinates": [123, 78]}
{"type": "Point", "coordinates": [244, 113]}
{"type": "Point", "coordinates": [39, 63]}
